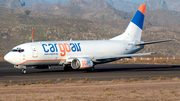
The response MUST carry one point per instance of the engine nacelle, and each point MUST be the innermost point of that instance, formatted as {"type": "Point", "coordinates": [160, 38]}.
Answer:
{"type": "Point", "coordinates": [81, 63]}
{"type": "Point", "coordinates": [41, 67]}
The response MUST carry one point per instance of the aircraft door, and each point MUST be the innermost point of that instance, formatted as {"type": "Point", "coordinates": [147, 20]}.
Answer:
{"type": "Point", "coordinates": [34, 52]}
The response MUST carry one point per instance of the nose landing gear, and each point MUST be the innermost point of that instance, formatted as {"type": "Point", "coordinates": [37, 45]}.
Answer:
{"type": "Point", "coordinates": [23, 68]}
{"type": "Point", "coordinates": [23, 71]}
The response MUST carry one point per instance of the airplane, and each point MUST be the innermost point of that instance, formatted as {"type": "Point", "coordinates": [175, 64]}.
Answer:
{"type": "Point", "coordinates": [84, 54]}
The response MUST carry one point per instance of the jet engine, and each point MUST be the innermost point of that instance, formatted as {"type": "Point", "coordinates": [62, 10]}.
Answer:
{"type": "Point", "coordinates": [81, 63]}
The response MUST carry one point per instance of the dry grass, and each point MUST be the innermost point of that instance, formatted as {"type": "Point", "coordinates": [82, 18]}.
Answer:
{"type": "Point", "coordinates": [116, 90]}
{"type": "Point", "coordinates": [2, 59]}
{"type": "Point", "coordinates": [170, 61]}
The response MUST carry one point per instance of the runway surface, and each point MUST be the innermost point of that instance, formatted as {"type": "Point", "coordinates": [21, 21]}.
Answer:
{"type": "Point", "coordinates": [102, 72]}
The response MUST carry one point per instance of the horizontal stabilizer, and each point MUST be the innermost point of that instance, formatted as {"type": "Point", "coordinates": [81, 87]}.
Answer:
{"type": "Point", "coordinates": [123, 56]}
{"type": "Point", "coordinates": [152, 42]}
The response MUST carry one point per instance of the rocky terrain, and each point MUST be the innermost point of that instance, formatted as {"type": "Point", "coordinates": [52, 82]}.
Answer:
{"type": "Point", "coordinates": [56, 22]}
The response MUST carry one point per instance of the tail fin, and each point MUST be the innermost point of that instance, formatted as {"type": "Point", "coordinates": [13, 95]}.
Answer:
{"type": "Point", "coordinates": [134, 30]}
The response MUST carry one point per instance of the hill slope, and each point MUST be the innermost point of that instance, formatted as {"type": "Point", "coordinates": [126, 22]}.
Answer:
{"type": "Point", "coordinates": [156, 4]}
{"type": "Point", "coordinates": [173, 4]}
{"type": "Point", "coordinates": [110, 13]}
{"type": "Point", "coordinates": [10, 3]}
{"type": "Point", "coordinates": [32, 2]}
{"type": "Point", "coordinates": [16, 29]}
{"type": "Point", "coordinates": [42, 7]}
{"type": "Point", "coordinates": [67, 11]}
{"type": "Point", "coordinates": [125, 5]}
{"type": "Point", "coordinates": [88, 5]}
{"type": "Point", "coordinates": [161, 17]}
{"type": "Point", "coordinates": [107, 13]}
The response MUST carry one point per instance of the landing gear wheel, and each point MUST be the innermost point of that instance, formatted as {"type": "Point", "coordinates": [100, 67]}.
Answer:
{"type": "Point", "coordinates": [23, 71]}
{"type": "Point", "coordinates": [91, 69]}
{"type": "Point", "coordinates": [67, 68]}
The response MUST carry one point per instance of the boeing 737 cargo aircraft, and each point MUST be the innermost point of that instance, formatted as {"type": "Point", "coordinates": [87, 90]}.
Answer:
{"type": "Point", "coordinates": [81, 54]}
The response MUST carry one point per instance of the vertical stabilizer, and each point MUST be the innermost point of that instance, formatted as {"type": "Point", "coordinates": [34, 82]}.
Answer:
{"type": "Point", "coordinates": [134, 30]}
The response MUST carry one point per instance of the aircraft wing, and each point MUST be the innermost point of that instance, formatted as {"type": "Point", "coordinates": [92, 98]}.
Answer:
{"type": "Point", "coordinates": [122, 56]}
{"type": "Point", "coordinates": [152, 42]}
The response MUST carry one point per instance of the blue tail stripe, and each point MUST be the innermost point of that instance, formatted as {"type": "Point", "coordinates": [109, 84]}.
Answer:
{"type": "Point", "coordinates": [138, 19]}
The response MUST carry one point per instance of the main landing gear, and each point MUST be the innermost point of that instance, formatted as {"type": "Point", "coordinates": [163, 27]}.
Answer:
{"type": "Point", "coordinates": [67, 68]}
{"type": "Point", "coordinates": [23, 70]}
{"type": "Point", "coordinates": [90, 69]}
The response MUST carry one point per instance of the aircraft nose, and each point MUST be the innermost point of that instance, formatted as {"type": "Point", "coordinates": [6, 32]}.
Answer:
{"type": "Point", "coordinates": [8, 57]}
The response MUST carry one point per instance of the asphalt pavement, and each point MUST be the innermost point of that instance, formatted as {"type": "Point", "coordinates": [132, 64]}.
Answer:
{"type": "Point", "coordinates": [102, 72]}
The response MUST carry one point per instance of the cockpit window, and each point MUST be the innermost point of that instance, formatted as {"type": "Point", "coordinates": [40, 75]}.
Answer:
{"type": "Point", "coordinates": [14, 50]}
{"type": "Point", "coordinates": [17, 50]}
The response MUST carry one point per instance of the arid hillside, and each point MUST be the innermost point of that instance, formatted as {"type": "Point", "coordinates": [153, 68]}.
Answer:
{"type": "Point", "coordinates": [15, 29]}
{"type": "Point", "coordinates": [161, 17]}
{"type": "Point", "coordinates": [10, 3]}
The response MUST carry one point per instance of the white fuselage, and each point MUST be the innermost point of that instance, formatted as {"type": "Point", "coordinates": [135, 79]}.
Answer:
{"type": "Point", "coordinates": [59, 52]}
